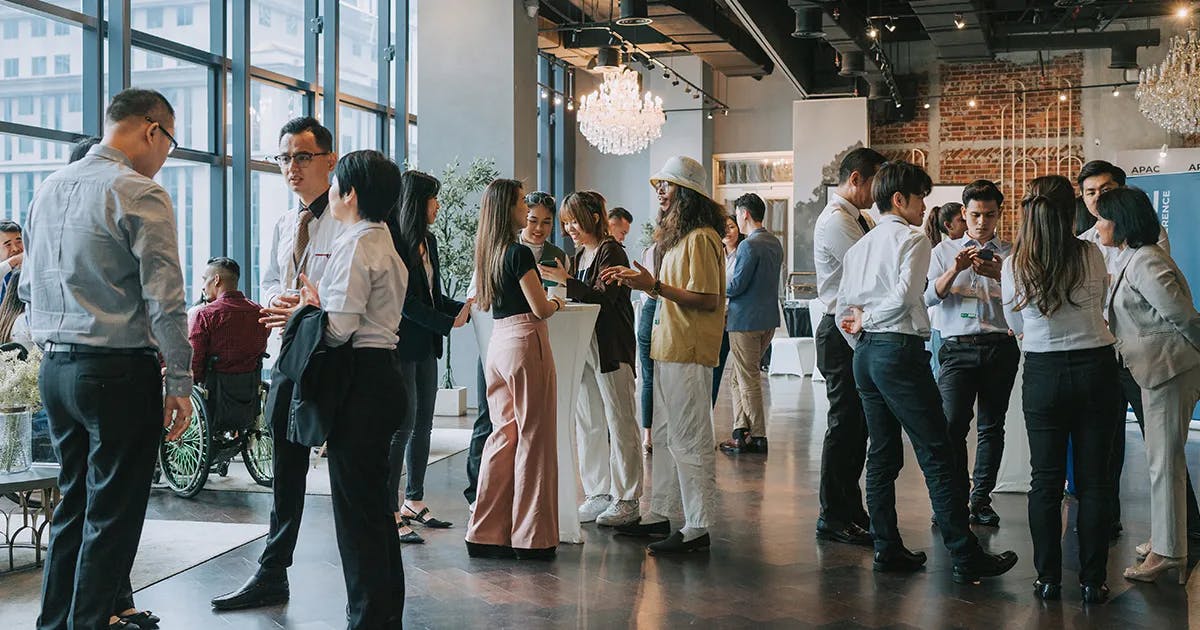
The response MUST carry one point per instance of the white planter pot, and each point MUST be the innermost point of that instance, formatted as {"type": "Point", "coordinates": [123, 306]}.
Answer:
{"type": "Point", "coordinates": [451, 402]}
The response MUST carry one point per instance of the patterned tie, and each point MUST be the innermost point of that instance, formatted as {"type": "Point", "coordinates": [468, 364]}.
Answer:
{"type": "Point", "coordinates": [299, 260]}
{"type": "Point", "coordinates": [862, 222]}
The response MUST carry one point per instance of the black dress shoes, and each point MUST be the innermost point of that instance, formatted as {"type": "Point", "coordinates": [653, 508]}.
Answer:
{"type": "Point", "coordinates": [675, 544]}
{"type": "Point", "coordinates": [1047, 590]}
{"type": "Point", "coordinates": [985, 515]}
{"type": "Point", "coordinates": [268, 587]}
{"type": "Point", "coordinates": [1094, 594]}
{"type": "Point", "coordinates": [848, 534]}
{"type": "Point", "coordinates": [900, 561]}
{"type": "Point", "coordinates": [984, 565]}
{"type": "Point", "coordinates": [535, 554]}
{"type": "Point", "coordinates": [500, 552]}
{"type": "Point", "coordinates": [661, 529]}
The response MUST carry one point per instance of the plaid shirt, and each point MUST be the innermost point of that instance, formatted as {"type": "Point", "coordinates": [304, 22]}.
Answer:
{"type": "Point", "coordinates": [228, 328]}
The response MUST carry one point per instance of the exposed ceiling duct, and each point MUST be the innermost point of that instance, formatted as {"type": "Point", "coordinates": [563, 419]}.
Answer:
{"type": "Point", "coordinates": [633, 13]}
{"type": "Point", "coordinates": [955, 28]}
{"type": "Point", "coordinates": [809, 22]}
{"type": "Point", "coordinates": [709, 34]}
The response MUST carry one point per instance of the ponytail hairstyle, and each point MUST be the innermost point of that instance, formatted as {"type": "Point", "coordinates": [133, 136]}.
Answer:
{"type": "Point", "coordinates": [409, 224]}
{"type": "Point", "coordinates": [1049, 262]}
{"type": "Point", "coordinates": [938, 217]}
{"type": "Point", "coordinates": [497, 231]}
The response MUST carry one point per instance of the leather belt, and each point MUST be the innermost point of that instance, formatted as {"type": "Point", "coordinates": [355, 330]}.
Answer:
{"type": "Point", "coordinates": [892, 336]}
{"type": "Point", "coordinates": [75, 348]}
{"type": "Point", "coordinates": [979, 340]}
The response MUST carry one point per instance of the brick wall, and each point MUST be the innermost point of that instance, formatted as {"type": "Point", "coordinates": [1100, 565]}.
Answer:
{"type": "Point", "coordinates": [959, 143]}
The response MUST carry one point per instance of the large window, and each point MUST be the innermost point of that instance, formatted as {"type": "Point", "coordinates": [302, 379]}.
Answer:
{"type": "Point", "coordinates": [47, 104]}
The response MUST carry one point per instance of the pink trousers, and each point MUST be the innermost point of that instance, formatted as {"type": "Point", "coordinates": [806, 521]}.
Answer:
{"type": "Point", "coordinates": [517, 501]}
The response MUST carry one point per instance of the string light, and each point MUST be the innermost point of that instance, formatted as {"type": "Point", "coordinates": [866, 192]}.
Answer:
{"type": "Point", "coordinates": [927, 106]}
{"type": "Point", "coordinates": [971, 103]}
{"type": "Point", "coordinates": [557, 100]}
{"type": "Point", "coordinates": [872, 32]}
{"type": "Point", "coordinates": [1116, 91]}
{"type": "Point", "coordinates": [1062, 97]}
{"type": "Point", "coordinates": [545, 94]}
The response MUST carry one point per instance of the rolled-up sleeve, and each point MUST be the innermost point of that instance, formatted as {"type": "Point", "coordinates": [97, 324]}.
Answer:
{"type": "Point", "coordinates": [150, 224]}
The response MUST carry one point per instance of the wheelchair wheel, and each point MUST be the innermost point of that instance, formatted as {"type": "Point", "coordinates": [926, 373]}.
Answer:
{"type": "Point", "coordinates": [258, 451]}
{"type": "Point", "coordinates": [185, 463]}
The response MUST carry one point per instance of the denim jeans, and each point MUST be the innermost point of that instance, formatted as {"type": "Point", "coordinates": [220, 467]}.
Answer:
{"type": "Point", "coordinates": [898, 392]}
{"type": "Point", "coordinates": [416, 427]}
{"type": "Point", "coordinates": [479, 435]}
{"type": "Point", "coordinates": [645, 363]}
{"type": "Point", "coordinates": [1073, 394]}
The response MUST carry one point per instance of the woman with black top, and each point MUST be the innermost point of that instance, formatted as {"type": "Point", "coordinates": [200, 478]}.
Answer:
{"type": "Point", "coordinates": [606, 426]}
{"type": "Point", "coordinates": [516, 505]}
{"type": "Point", "coordinates": [428, 316]}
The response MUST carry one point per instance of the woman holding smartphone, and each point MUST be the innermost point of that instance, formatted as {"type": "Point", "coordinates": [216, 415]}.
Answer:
{"type": "Point", "coordinates": [610, 464]}
{"type": "Point", "coordinates": [516, 506]}
{"type": "Point", "coordinates": [428, 316]}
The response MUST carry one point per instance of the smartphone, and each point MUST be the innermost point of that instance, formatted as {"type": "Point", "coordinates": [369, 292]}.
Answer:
{"type": "Point", "coordinates": [553, 262]}
{"type": "Point", "coordinates": [986, 254]}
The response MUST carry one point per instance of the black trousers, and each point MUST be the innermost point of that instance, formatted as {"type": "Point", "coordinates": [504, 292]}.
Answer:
{"type": "Point", "coordinates": [105, 414]}
{"type": "Point", "coordinates": [479, 435]}
{"type": "Point", "coordinates": [416, 427]}
{"type": "Point", "coordinates": [844, 452]}
{"type": "Point", "coordinates": [983, 372]}
{"type": "Point", "coordinates": [1073, 394]}
{"type": "Point", "coordinates": [291, 473]}
{"type": "Point", "coordinates": [358, 469]}
{"type": "Point", "coordinates": [898, 393]}
{"type": "Point", "coordinates": [1132, 394]}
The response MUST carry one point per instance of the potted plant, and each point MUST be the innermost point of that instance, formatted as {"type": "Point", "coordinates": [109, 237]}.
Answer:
{"type": "Point", "coordinates": [19, 398]}
{"type": "Point", "coordinates": [455, 230]}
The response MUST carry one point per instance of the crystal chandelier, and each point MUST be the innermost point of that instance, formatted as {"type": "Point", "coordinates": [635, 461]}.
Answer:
{"type": "Point", "coordinates": [617, 118]}
{"type": "Point", "coordinates": [1169, 95]}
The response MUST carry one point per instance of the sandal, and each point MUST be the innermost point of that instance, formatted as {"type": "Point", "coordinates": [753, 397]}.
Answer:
{"type": "Point", "coordinates": [411, 537]}
{"type": "Point", "coordinates": [424, 518]}
{"type": "Point", "coordinates": [145, 619]}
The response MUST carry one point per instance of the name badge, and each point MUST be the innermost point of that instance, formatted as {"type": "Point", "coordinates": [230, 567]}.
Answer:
{"type": "Point", "coordinates": [969, 308]}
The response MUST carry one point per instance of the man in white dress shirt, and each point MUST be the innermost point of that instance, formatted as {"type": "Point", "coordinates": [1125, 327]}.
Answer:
{"type": "Point", "coordinates": [979, 357]}
{"type": "Point", "coordinates": [301, 243]}
{"type": "Point", "coordinates": [1098, 177]}
{"type": "Point", "coordinates": [881, 297]}
{"type": "Point", "coordinates": [840, 225]}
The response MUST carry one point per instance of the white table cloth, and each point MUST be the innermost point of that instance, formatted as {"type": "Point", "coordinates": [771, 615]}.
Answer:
{"type": "Point", "coordinates": [570, 336]}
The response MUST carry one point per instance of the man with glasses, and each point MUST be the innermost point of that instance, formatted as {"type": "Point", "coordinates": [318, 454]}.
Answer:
{"type": "Point", "coordinates": [105, 296]}
{"type": "Point", "coordinates": [300, 244]}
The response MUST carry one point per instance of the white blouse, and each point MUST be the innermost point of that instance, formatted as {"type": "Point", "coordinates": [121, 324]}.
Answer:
{"type": "Point", "coordinates": [1077, 325]}
{"type": "Point", "coordinates": [363, 288]}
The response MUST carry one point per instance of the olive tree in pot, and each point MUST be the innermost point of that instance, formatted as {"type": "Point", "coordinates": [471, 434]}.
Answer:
{"type": "Point", "coordinates": [455, 230]}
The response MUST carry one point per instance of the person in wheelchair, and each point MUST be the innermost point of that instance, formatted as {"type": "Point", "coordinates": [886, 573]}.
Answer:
{"type": "Point", "coordinates": [228, 344]}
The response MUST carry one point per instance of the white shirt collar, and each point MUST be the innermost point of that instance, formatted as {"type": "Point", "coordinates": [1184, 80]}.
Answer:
{"type": "Point", "coordinates": [841, 202]}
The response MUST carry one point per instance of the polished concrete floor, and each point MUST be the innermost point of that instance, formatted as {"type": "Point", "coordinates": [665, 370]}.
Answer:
{"type": "Point", "coordinates": [765, 570]}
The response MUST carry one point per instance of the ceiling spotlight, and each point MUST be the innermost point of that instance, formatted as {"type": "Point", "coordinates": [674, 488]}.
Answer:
{"type": "Point", "coordinates": [872, 32]}
{"type": "Point", "coordinates": [959, 22]}
{"type": "Point", "coordinates": [676, 81]}
{"type": "Point", "coordinates": [927, 106]}
{"type": "Point", "coordinates": [898, 105]}
{"type": "Point", "coordinates": [1183, 11]}
{"type": "Point", "coordinates": [545, 94]}
{"type": "Point", "coordinates": [725, 112]}
{"type": "Point", "coordinates": [1116, 91]}
{"type": "Point", "coordinates": [891, 25]}
{"type": "Point", "coordinates": [666, 75]}
{"type": "Point", "coordinates": [687, 89]}
{"type": "Point", "coordinates": [710, 115]}
{"type": "Point", "coordinates": [971, 103]}
{"type": "Point", "coordinates": [696, 95]}
{"type": "Point", "coordinates": [557, 100]}
{"type": "Point", "coordinates": [1062, 96]}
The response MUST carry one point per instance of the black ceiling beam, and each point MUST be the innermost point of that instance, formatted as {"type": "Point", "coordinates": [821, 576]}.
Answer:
{"type": "Point", "coordinates": [770, 23]}
{"type": "Point", "coordinates": [1074, 41]}
{"type": "Point", "coordinates": [597, 38]}
{"type": "Point", "coordinates": [706, 13]}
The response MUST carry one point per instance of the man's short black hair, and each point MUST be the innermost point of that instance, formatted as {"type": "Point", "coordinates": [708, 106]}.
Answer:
{"type": "Point", "coordinates": [863, 161]}
{"type": "Point", "coordinates": [139, 103]}
{"type": "Point", "coordinates": [620, 213]}
{"type": "Point", "coordinates": [227, 268]}
{"type": "Point", "coordinates": [1134, 221]}
{"type": "Point", "coordinates": [374, 177]}
{"type": "Point", "coordinates": [308, 123]}
{"type": "Point", "coordinates": [81, 148]}
{"type": "Point", "coordinates": [982, 190]}
{"type": "Point", "coordinates": [899, 177]}
{"type": "Point", "coordinates": [8, 227]}
{"type": "Point", "coordinates": [1100, 167]}
{"type": "Point", "coordinates": [754, 206]}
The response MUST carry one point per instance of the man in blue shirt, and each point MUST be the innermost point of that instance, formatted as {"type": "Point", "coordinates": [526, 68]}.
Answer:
{"type": "Point", "coordinates": [753, 291]}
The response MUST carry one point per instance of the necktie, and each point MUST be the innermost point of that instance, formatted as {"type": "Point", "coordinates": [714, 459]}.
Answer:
{"type": "Point", "coordinates": [299, 260]}
{"type": "Point", "coordinates": [862, 222]}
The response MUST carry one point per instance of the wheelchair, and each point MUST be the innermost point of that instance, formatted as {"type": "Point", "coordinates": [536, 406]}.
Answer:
{"type": "Point", "coordinates": [209, 444]}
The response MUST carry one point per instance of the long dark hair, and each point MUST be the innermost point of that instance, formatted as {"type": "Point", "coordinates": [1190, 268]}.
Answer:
{"type": "Point", "coordinates": [497, 231]}
{"type": "Point", "coordinates": [688, 211]}
{"type": "Point", "coordinates": [1049, 262]}
{"type": "Point", "coordinates": [936, 220]}
{"type": "Point", "coordinates": [409, 224]}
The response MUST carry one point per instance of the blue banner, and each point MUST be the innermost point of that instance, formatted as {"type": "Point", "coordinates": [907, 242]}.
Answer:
{"type": "Point", "coordinates": [1176, 197]}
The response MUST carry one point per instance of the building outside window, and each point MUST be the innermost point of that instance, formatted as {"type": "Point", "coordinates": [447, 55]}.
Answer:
{"type": "Point", "coordinates": [12, 68]}
{"type": "Point", "coordinates": [62, 64]}
{"type": "Point", "coordinates": [12, 29]}
{"type": "Point", "coordinates": [183, 16]}
{"type": "Point", "coordinates": [37, 28]}
{"type": "Point", "coordinates": [61, 29]}
{"type": "Point", "coordinates": [154, 17]}
{"type": "Point", "coordinates": [38, 67]}
{"type": "Point", "coordinates": [264, 15]}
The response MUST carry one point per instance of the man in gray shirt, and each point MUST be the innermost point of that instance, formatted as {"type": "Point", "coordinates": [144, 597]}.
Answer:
{"type": "Point", "coordinates": [105, 296]}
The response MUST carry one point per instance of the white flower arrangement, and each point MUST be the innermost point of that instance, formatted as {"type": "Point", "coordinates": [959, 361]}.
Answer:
{"type": "Point", "coordinates": [19, 380]}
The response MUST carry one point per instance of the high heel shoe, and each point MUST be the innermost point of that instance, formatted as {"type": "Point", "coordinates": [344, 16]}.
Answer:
{"type": "Point", "coordinates": [1143, 550]}
{"type": "Point", "coordinates": [1137, 573]}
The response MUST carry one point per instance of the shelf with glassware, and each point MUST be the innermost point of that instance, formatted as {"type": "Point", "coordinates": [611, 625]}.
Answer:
{"type": "Point", "coordinates": [769, 175]}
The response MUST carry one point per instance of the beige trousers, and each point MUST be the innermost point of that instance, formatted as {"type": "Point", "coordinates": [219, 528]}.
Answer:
{"type": "Point", "coordinates": [606, 431]}
{"type": "Point", "coordinates": [517, 501]}
{"type": "Point", "coordinates": [747, 348]}
{"type": "Point", "coordinates": [1167, 410]}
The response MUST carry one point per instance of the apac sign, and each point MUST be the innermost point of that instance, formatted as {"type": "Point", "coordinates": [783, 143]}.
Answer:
{"type": "Point", "coordinates": [1153, 162]}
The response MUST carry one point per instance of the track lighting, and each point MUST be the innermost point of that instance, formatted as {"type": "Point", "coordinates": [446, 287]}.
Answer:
{"type": "Point", "coordinates": [710, 115]}
{"type": "Point", "coordinates": [872, 32]}
{"type": "Point", "coordinates": [725, 112]}
{"type": "Point", "coordinates": [959, 22]}
{"type": "Point", "coordinates": [927, 106]}
{"type": "Point", "coordinates": [571, 105]}
{"type": "Point", "coordinates": [1116, 91]}
{"type": "Point", "coordinates": [891, 25]}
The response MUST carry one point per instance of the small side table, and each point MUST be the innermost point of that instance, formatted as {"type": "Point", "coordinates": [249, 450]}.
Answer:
{"type": "Point", "coordinates": [32, 529]}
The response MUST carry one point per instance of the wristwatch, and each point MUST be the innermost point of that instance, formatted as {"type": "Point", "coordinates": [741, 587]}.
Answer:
{"type": "Point", "coordinates": [657, 286]}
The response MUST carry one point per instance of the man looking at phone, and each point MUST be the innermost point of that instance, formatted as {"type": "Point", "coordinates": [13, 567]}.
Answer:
{"type": "Point", "coordinates": [300, 244]}
{"type": "Point", "coordinates": [979, 357]}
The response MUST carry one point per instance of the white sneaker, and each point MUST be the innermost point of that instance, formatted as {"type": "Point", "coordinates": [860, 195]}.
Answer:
{"type": "Point", "coordinates": [619, 513]}
{"type": "Point", "coordinates": [593, 506]}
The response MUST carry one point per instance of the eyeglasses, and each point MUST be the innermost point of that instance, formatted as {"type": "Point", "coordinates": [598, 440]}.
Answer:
{"type": "Point", "coordinates": [174, 144]}
{"type": "Point", "coordinates": [539, 199]}
{"type": "Point", "coordinates": [303, 158]}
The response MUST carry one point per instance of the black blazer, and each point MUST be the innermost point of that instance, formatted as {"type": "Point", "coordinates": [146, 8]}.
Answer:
{"type": "Point", "coordinates": [315, 379]}
{"type": "Point", "coordinates": [428, 315]}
